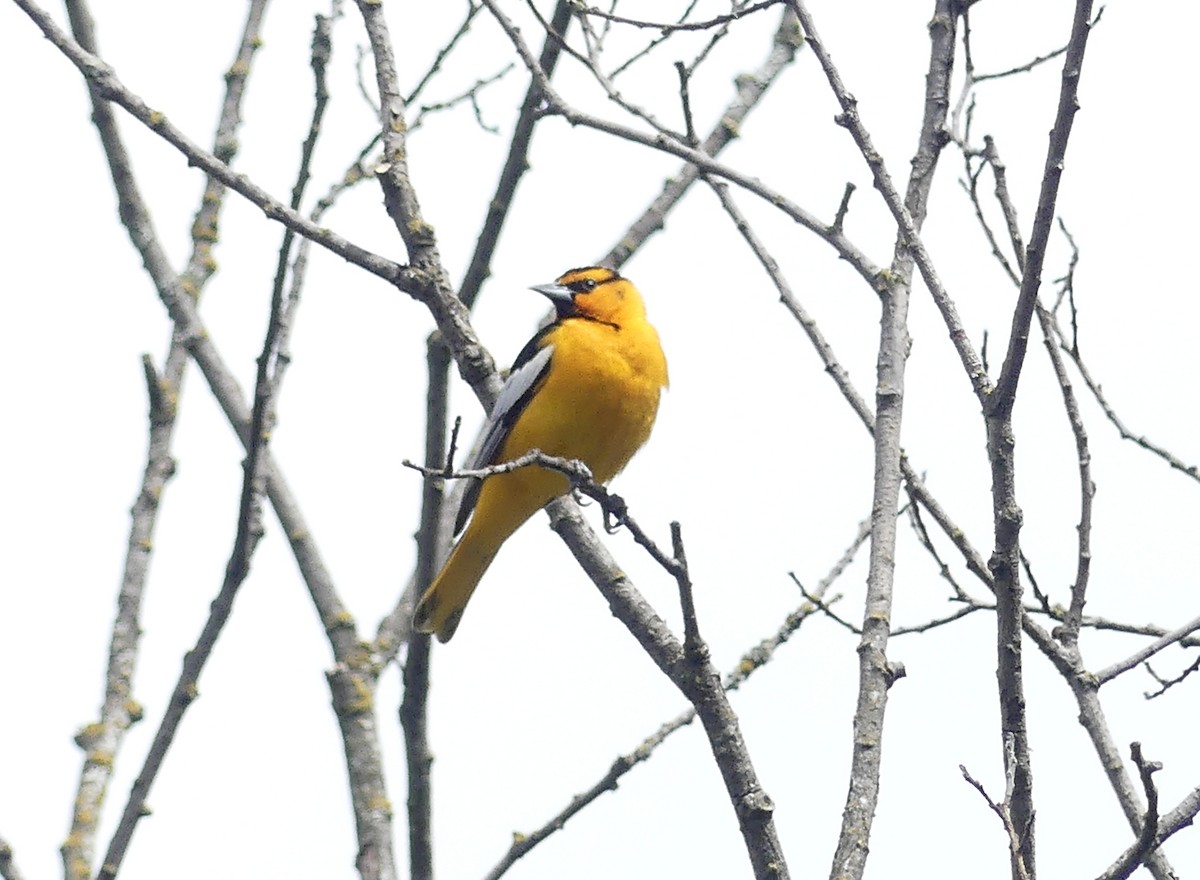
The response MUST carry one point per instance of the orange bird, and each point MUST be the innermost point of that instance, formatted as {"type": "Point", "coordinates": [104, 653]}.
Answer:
{"type": "Point", "coordinates": [585, 387]}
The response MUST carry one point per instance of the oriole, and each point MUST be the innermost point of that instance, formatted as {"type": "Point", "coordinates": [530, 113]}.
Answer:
{"type": "Point", "coordinates": [585, 387]}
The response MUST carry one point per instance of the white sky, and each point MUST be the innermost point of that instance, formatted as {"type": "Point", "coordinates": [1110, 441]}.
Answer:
{"type": "Point", "coordinates": [755, 453]}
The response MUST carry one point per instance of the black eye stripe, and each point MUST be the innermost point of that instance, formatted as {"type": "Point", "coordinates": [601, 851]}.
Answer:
{"type": "Point", "coordinates": [587, 278]}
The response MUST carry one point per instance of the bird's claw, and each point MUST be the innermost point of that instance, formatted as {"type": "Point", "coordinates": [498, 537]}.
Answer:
{"type": "Point", "coordinates": [615, 513]}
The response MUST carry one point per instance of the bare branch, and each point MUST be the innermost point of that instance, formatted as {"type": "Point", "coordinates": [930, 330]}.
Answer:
{"type": "Point", "coordinates": [1179, 818]}
{"type": "Point", "coordinates": [1091, 716]}
{"type": "Point", "coordinates": [1005, 816]}
{"type": "Point", "coordinates": [443, 54]}
{"type": "Point", "coordinates": [825, 607]}
{"type": "Point", "coordinates": [400, 199]}
{"type": "Point", "coordinates": [1109, 673]}
{"type": "Point", "coordinates": [102, 78]}
{"type": "Point", "coordinates": [876, 673]}
{"type": "Point", "coordinates": [914, 484]}
{"type": "Point", "coordinates": [1036, 62]}
{"type": "Point", "coordinates": [937, 621]}
{"type": "Point", "coordinates": [918, 524]}
{"type": "Point", "coordinates": [102, 740]}
{"type": "Point", "coordinates": [753, 660]}
{"type": "Point", "coordinates": [471, 95]}
{"type": "Point", "coordinates": [909, 213]}
{"type": "Point", "coordinates": [1068, 102]}
{"type": "Point", "coordinates": [616, 512]}
{"type": "Point", "coordinates": [249, 521]}
{"type": "Point", "coordinates": [516, 163]}
{"type": "Point", "coordinates": [8, 866]}
{"type": "Point", "coordinates": [1072, 350]}
{"type": "Point", "coordinates": [555, 104]}
{"type": "Point", "coordinates": [1168, 683]}
{"type": "Point", "coordinates": [591, 63]}
{"type": "Point", "coordinates": [1087, 488]}
{"type": "Point", "coordinates": [523, 843]}
{"type": "Point", "coordinates": [1067, 658]}
{"type": "Point", "coordinates": [1147, 840]}
{"type": "Point", "coordinates": [671, 27]}
{"type": "Point", "coordinates": [698, 682]}
{"type": "Point", "coordinates": [430, 551]}
{"type": "Point", "coordinates": [750, 90]}
{"type": "Point", "coordinates": [998, 404]}
{"type": "Point", "coordinates": [652, 44]}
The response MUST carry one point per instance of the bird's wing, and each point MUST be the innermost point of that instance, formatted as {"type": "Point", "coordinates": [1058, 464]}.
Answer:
{"type": "Point", "coordinates": [524, 379]}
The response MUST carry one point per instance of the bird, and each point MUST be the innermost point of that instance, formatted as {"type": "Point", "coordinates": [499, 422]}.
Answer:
{"type": "Point", "coordinates": [585, 387]}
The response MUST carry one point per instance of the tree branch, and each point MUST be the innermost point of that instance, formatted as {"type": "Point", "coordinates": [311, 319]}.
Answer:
{"type": "Point", "coordinates": [753, 660]}
{"type": "Point", "coordinates": [876, 672]}
{"type": "Point", "coordinates": [1137, 658]}
{"type": "Point", "coordinates": [8, 866]}
{"type": "Point", "coordinates": [515, 164]}
{"type": "Point", "coordinates": [102, 739]}
{"type": "Point", "coordinates": [698, 682]}
{"type": "Point", "coordinates": [100, 76]}
{"type": "Point", "coordinates": [785, 43]}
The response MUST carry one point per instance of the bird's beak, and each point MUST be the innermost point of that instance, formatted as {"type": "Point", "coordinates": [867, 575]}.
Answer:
{"type": "Point", "coordinates": [559, 295]}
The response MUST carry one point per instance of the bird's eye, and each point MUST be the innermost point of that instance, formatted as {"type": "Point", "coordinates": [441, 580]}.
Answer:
{"type": "Point", "coordinates": [584, 286]}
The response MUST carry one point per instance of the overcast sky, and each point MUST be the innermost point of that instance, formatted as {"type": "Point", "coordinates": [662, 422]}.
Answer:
{"type": "Point", "coordinates": [756, 453]}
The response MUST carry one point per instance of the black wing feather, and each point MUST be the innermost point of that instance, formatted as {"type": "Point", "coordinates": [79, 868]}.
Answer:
{"type": "Point", "coordinates": [526, 377]}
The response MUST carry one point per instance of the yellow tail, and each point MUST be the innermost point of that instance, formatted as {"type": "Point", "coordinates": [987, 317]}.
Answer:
{"type": "Point", "coordinates": [442, 606]}
{"type": "Point", "coordinates": [505, 502]}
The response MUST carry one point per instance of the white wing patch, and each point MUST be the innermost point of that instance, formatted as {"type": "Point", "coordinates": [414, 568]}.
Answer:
{"type": "Point", "coordinates": [509, 404]}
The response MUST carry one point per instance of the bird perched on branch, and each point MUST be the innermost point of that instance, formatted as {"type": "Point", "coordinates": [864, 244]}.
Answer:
{"type": "Point", "coordinates": [585, 387]}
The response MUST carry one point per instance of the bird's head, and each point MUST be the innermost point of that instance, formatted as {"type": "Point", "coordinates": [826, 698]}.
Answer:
{"type": "Point", "coordinates": [594, 293]}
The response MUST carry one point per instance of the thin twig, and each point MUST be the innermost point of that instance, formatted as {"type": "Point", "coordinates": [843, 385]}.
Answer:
{"type": "Point", "coordinates": [825, 607]}
{"type": "Point", "coordinates": [843, 208]}
{"type": "Point", "coordinates": [580, 477]}
{"type": "Point", "coordinates": [719, 34]}
{"type": "Point", "coordinates": [1072, 350]}
{"type": "Point", "coordinates": [750, 89]}
{"type": "Point", "coordinates": [516, 163]}
{"type": "Point", "coordinates": [591, 63]}
{"type": "Point", "coordinates": [908, 213]}
{"type": "Point", "coordinates": [652, 44]}
{"type": "Point", "coordinates": [918, 524]}
{"type": "Point", "coordinates": [1165, 684]}
{"type": "Point", "coordinates": [443, 54]}
{"type": "Point", "coordinates": [937, 621]}
{"type": "Point", "coordinates": [670, 27]}
{"type": "Point", "coordinates": [1110, 672]}
{"type": "Point", "coordinates": [1087, 488]}
{"type": "Point", "coordinates": [1036, 62]}
{"type": "Point", "coordinates": [556, 105]}
{"type": "Point", "coordinates": [471, 95]}
{"type": "Point", "coordinates": [1005, 815]}
{"type": "Point", "coordinates": [1068, 102]}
